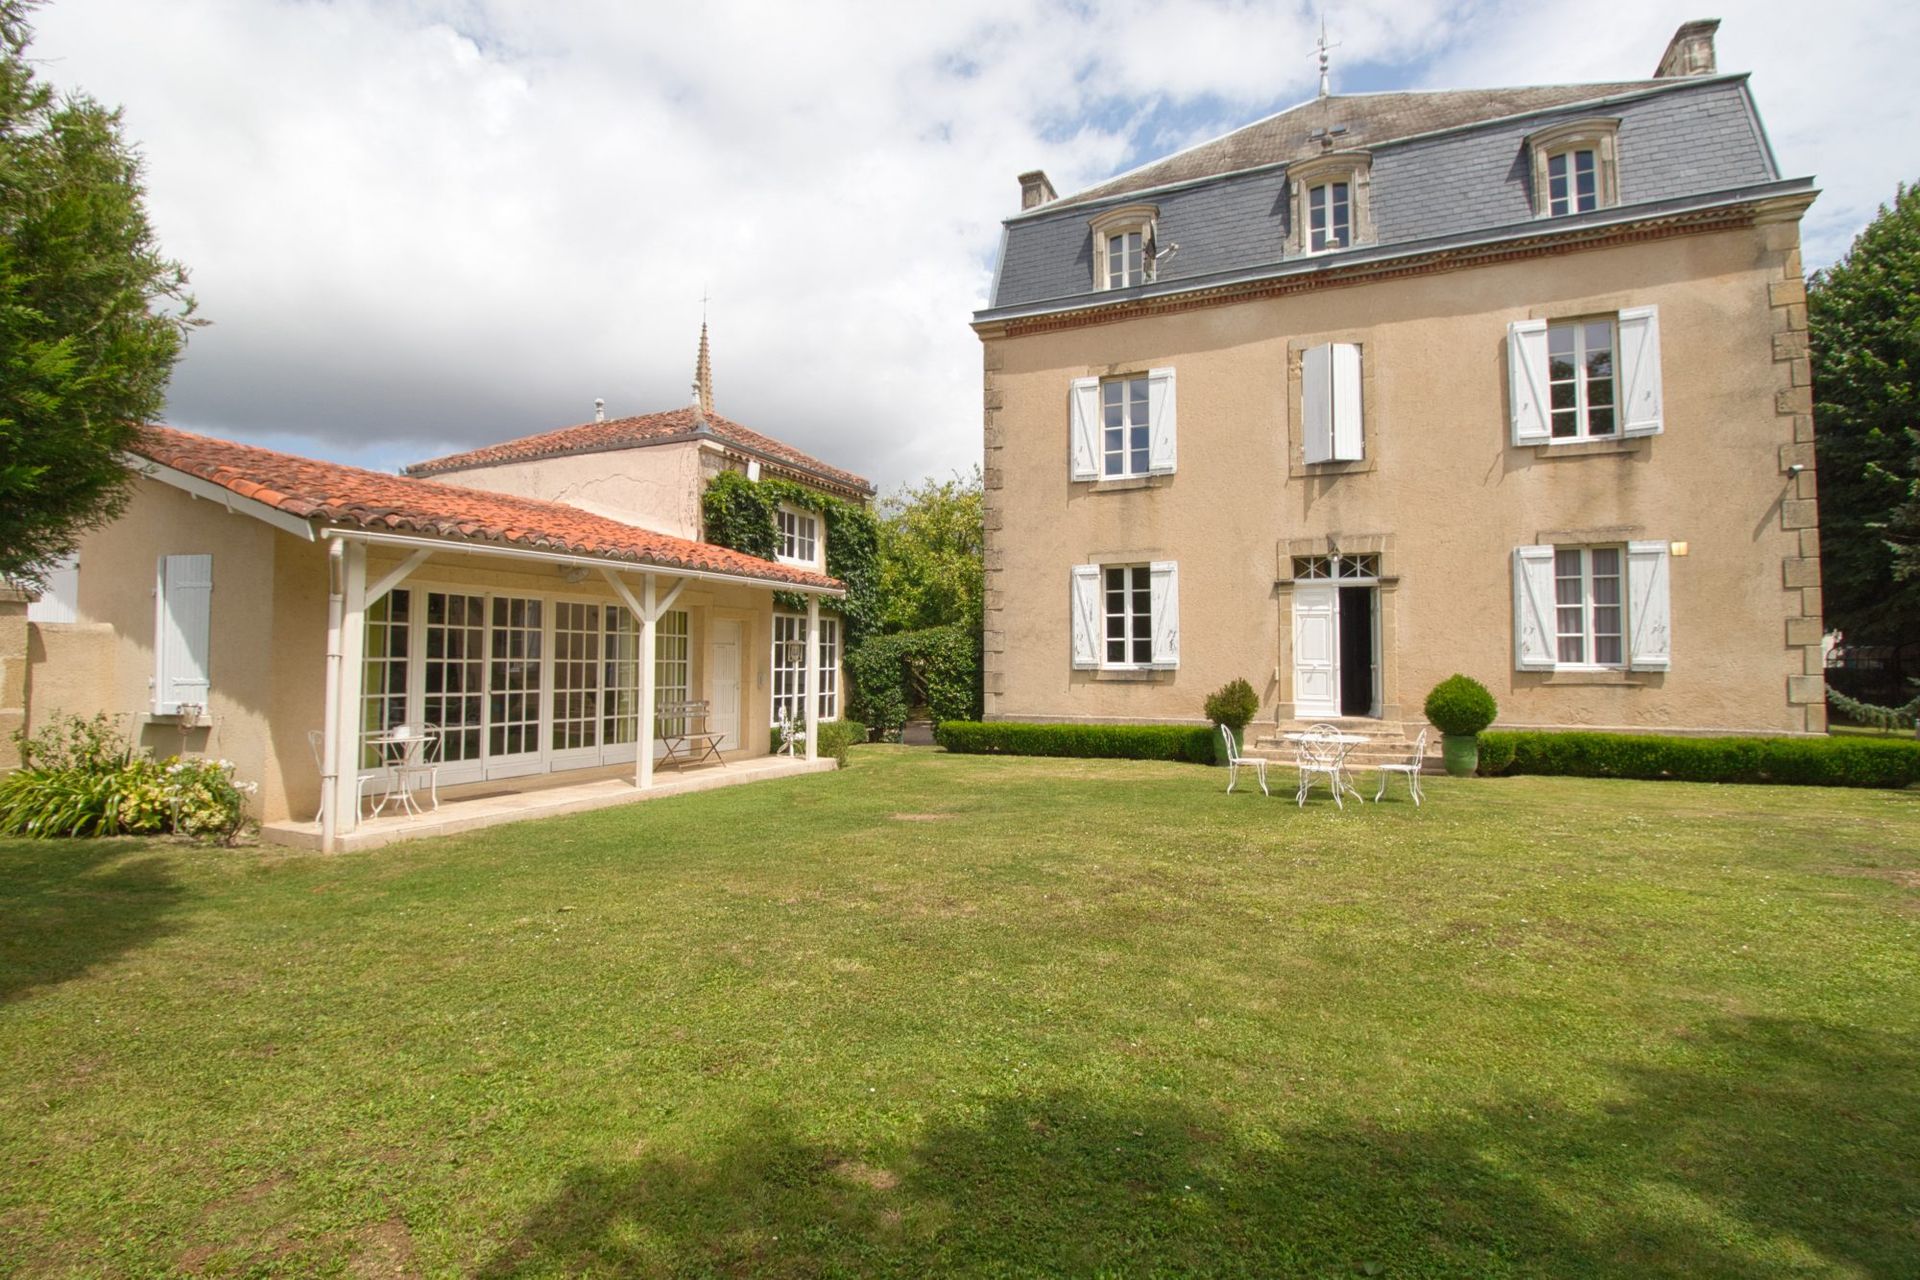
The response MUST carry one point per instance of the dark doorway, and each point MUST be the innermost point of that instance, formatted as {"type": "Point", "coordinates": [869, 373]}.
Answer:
{"type": "Point", "coordinates": [1356, 651]}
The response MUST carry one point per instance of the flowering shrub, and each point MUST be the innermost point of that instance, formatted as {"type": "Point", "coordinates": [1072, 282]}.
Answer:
{"type": "Point", "coordinates": [83, 778]}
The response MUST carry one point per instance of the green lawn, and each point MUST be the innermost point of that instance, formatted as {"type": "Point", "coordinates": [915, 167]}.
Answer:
{"type": "Point", "coordinates": [1016, 1017]}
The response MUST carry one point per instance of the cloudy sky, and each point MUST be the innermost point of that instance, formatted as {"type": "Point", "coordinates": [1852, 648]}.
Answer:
{"type": "Point", "coordinates": [422, 225]}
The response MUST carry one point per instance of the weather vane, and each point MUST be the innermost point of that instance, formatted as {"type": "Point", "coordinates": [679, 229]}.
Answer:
{"type": "Point", "coordinates": [1322, 47]}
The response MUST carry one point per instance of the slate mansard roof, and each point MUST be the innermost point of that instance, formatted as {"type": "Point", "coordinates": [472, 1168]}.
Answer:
{"type": "Point", "coordinates": [639, 431]}
{"type": "Point", "coordinates": [1446, 168]}
{"type": "Point", "coordinates": [310, 489]}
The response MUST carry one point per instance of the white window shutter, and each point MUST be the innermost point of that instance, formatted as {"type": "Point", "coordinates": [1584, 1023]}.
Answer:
{"type": "Point", "coordinates": [1649, 615]}
{"type": "Point", "coordinates": [1162, 422]}
{"type": "Point", "coordinates": [1163, 578]}
{"type": "Point", "coordinates": [1347, 443]}
{"type": "Point", "coordinates": [1534, 634]}
{"type": "Point", "coordinates": [1316, 404]}
{"type": "Point", "coordinates": [60, 595]}
{"type": "Point", "coordinates": [1085, 607]}
{"type": "Point", "coordinates": [1640, 398]}
{"type": "Point", "coordinates": [1527, 376]}
{"type": "Point", "coordinates": [1083, 444]}
{"type": "Point", "coordinates": [185, 622]}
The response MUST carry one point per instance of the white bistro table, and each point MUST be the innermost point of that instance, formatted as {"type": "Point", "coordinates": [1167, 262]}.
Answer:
{"type": "Point", "coordinates": [1347, 742]}
{"type": "Point", "coordinates": [400, 757]}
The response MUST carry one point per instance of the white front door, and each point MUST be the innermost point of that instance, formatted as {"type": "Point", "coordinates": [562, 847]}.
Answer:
{"type": "Point", "coordinates": [725, 712]}
{"type": "Point", "coordinates": [1316, 650]}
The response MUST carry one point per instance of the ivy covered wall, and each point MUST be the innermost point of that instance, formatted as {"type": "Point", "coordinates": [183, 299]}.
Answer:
{"type": "Point", "coordinates": [739, 513]}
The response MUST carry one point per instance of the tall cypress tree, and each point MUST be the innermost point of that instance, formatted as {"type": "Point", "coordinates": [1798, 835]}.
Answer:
{"type": "Point", "coordinates": [92, 315]}
{"type": "Point", "coordinates": [1864, 318]}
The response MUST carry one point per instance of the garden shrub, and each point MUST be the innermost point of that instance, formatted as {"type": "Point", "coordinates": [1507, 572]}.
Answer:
{"type": "Point", "coordinates": [938, 667]}
{"type": "Point", "coordinates": [83, 778]}
{"type": "Point", "coordinates": [835, 737]}
{"type": "Point", "coordinates": [1234, 704]}
{"type": "Point", "coordinates": [1091, 741]}
{"type": "Point", "coordinates": [1808, 762]}
{"type": "Point", "coordinates": [1460, 706]}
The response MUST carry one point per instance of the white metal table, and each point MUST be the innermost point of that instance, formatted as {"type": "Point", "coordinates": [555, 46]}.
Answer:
{"type": "Point", "coordinates": [1347, 742]}
{"type": "Point", "coordinates": [400, 758]}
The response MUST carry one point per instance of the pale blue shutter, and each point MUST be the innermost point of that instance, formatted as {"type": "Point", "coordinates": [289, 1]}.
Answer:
{"type": "Point", "coordinates": [185, 621]}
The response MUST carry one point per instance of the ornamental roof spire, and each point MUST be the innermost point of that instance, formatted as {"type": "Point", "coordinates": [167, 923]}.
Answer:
{"type": "Point", "coordinates": [703, 376]}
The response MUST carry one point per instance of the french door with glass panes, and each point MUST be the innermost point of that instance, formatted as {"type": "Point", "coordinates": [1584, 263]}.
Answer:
{"type": "Point", "coordinates": [516, 671]}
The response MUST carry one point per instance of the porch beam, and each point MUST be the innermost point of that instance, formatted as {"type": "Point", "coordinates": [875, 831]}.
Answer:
{"type": "Point", "coordinates": [396, 575]}
{"type": "Point", "coordinates": [660, 610]}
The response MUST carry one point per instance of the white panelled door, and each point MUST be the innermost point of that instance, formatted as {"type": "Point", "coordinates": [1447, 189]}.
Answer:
{"type": "Point", "coordinates": [1316, 650]}
{"type": "Point", "coordinates": [725, 711]}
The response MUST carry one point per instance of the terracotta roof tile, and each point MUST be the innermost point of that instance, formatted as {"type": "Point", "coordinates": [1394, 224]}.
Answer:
{"type": "Point", "coordinates": [645, 429]}
{"type": "Point", "coordinates": [330, 491]}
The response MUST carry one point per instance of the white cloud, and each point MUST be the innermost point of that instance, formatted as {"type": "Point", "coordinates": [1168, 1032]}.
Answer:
{"type": "Point", "coordinates": [427, 225]}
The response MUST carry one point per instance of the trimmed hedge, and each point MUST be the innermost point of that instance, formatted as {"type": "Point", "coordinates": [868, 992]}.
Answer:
{"type": "Point", "coordinates": [1088, 741]}
{"type": "Point", "coordinates": [1801, 762]}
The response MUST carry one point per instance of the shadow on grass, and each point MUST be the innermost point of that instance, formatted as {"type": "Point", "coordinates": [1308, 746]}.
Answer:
{"type": "Point", "coordinates": [1787, 1146]}
{"type": "Point", "coordinates": [70, 905]}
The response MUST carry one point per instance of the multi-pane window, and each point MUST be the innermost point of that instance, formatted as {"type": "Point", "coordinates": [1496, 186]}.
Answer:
{"type": "Point", "coordinates": [383, 690]}
{"type": "Point", "coordinates": [513, 677]}
{"type": "Point", "coordinates": [1573, 181]}
{"type": "Point", "coordinates": [790, 667]}
{"type": "Point", "coordinates": [576, 675]}
{"type": "Point", "coordinates": [1581, 380]}
{"type": "Point", "coordinates": [1129, 615]}
{"type": "Point", "coordinates": [1125, 261]}
{"type": "Point", "coordinates": [1329, 218]}
{"type": "Point", "coordinates": [1588, 616]}
{"type": "Point", "coordinates": [1124, 434]}
{"type": "Point", "coordinates": [455, 675]}
{"type": "Point", "coordinates": [672, 648]}
{"type": "Point", "coordinates": [796, 530]}
{"type": "Point", "coordinates": [620, 676]}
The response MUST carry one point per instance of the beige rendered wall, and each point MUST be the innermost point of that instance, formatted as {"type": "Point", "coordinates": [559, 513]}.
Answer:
{"type": "Point", "coordinates": [656, 488]}
{"type": "Point", "coordinates": [267, 647]}
{"type": "Point", "coordinates": [1443, 495]}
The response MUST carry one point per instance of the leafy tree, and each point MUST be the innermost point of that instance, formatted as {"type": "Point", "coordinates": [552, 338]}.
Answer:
{"type": "Point", "coordinates": [92, 317]}
{"type": "Point", "coordinates": [1864, 317]}
{"type": "Point", "coordinates": [932, 548]}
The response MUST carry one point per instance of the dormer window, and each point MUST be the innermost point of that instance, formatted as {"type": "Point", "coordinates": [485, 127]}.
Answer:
{"type": "Point", "coordinates": [1329, 217]}
{"type": "Point", "coordinates": [1574, 168]}
{"type": "Point", "coordinates": [1330, 203]}
{"type": "Point", "coordinates": [1124, 247]}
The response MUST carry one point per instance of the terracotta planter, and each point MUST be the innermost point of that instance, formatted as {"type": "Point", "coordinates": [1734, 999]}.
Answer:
{"type": "Point", "coordinates": [1460, 752]}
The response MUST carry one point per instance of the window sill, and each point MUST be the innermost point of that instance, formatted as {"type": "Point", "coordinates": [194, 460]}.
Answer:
{"type": "Point", "coordinates": [1118, 484]}
{"type": "Point", "coordinates": [1615, 676]}
{"type": "Point", "coordinates": [1588, 448]}
{"type": "Point", "coordinates": [1132, 675]}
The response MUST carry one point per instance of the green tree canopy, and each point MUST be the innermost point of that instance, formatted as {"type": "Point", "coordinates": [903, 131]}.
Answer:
{"type": "Point", "coordinates": [1864, 317]}
{"type": "Point", "coordinates": [92, 316]}
{"type": "Point", "coordinates": [932, 544]}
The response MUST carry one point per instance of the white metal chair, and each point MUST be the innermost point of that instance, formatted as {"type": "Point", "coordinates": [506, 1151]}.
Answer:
{"type": "Point", "coordinates": [316, 739]}
{"type": "Point", "coordinates": [1411, 768]}
{"type": "Point", "coordinates": [1322, 755]}
{"type": "Point", "coordinates": [1235, 760]}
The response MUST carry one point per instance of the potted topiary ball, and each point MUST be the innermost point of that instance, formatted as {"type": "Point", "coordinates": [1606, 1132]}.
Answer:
{"type": "Point", "coordinates": [1234, 704]}
{"type": "Point", "coordinates": [1460, 707]}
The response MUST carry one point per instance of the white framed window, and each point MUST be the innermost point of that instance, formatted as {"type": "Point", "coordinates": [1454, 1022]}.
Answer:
{"type": "Point", "coordinates": [797, 542]}
{"type": "Point", "coordinates": [1330, 404]}
{"type": "Point", "coordinates": [672, 665]}
{"type": "Point", "coordinates": [1573, 181]}
{"type": "Point", "coordinates": [60, 594]}
{"type": "Point", "coordinates": [578, 635]}
{"type": "Point", "coordinates": [1126, 264]}
{"type": "Point", "coordinates": [1126, 616]}
{"type": "Point", "coordinates": [1592, 607]}
{"type": "Point", "coordinates": [1122, 428]}
{"type": "Point", "coordinates": [1124, 246]}
{"type": "Point", "coordinates": [1342, 565]}
{"type": "Point", "coordinates": [1585, 378]}
{"type": "Point", "coordinates": [1587, 606]}
{"type": "Point", "coordinates": [1580, 379]}
{"type": "Point", "coordinates": [1329, 216]}
{"type": "Point", "coordinates": [383, 684]}
{"type": "Point", "coordinates": [790, 667]}
{"type": "Point", "coordinates": [183, 627]}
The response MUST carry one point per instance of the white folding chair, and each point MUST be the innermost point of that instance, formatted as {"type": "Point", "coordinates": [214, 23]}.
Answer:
{"type": "Point", "coordinates": [1321, 755]}
{"type": "Point", "coordinates": [1411, 768]}
{"type": "Point", "coordinates": [1234, 760]}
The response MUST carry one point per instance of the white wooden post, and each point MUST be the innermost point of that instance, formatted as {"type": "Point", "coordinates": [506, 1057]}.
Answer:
{"type": "Point", "coordinates": [353, 672]}
{"type": "Point", "coordinates": [813, 678]}
{"type": "Point", "coordinates": [649, 630]}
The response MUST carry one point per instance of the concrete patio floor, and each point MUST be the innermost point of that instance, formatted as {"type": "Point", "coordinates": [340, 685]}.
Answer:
{"type": "Point", "coordinates": [474, 805]}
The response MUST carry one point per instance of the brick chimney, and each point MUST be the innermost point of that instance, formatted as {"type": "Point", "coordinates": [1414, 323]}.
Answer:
{"type": "Point", "coordinates": [1690, 52]}
{"type": "Point", "coordinates": [1035, 190]}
